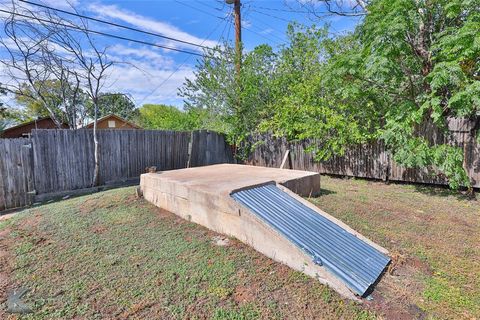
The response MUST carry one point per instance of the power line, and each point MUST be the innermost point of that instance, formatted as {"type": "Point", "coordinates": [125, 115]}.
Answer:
{"type": "Point", "coordinates": [270, 15]}
{"type": "Point", "coordinates": [116, 24]}
{"type": "Point", "coordinates": [102, 33]}
{"type": "Point", "coordinates": [335, 32]}
{"type": "Point", "coordinates": [230, 22]}
{"type": "Point", "coordinates": [227, 19]}
{"type": "Point", "coordinates": [272, 29]}
{"type": "Point", "coordinates": [200, 10]}
{"type": "Point", "coordinates": [215, 8]}
{"type": "Point", "coordinates": [280, 10]}
{"type": "Point", "coordinates": [260, 35]}
{"type": "Point", "coordinates": [184, 61]}
{"type": "Point", "coordinates": [213, 15]}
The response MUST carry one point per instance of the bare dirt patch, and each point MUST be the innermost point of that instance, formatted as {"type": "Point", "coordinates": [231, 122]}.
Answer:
{"type": "Point", "coordinates": [6, 271]}
{"type": "Point", "coordinates": [244, 294]}
{"type": "Point", "coordinates": [7, 216]}
{"type": "Point", "coordinates": [32, 221]}
{"type": "Point", "coordinates": [98, 229]}
{"type": "Point", "coordinates": [99, 201]}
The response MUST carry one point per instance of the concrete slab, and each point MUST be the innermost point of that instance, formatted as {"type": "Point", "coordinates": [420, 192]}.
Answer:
{"type": "Point", "coordinates": [224, 178]}
{"type": "Point", "coordinates": [203, 195]}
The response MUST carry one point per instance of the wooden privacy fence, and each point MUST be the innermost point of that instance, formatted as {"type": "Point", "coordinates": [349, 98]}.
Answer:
{"type": "Point", "coordinates": [371, 160]}
{"type": "Point", "coordinates": [16, 178]}
{"type": "Point", "coordinates": [56, 161]}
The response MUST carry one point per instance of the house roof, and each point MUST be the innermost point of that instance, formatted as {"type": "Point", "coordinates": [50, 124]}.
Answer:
{"type": "Point", "coordinates": [112, 116]}
{"type": "Point", "coordinates": [24, 124]}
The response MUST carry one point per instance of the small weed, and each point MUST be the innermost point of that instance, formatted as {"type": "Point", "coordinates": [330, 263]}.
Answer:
{"type": "Point", "coordinates": [4, 224]}
{"type": "Point", "coordinates": [245, 312]}
{"type": "Point", "coordinates": [440, 290]}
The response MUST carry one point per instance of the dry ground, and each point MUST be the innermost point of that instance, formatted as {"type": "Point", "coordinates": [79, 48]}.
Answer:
{"type": "Point", "coordinates": [110, 255]}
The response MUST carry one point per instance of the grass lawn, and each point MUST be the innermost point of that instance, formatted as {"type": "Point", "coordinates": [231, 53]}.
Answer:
{"type": "Point", "coordinates": [110, 255]}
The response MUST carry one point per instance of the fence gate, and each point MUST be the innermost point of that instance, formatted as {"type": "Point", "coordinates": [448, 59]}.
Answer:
{"type": "Point", "coordinates": [16, 173]}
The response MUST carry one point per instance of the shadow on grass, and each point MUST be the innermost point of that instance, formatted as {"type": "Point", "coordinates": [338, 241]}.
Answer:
{"type": "Point", "coordinates": [323, 192]}
{"type": "Point", "coordinates": [444, 191]}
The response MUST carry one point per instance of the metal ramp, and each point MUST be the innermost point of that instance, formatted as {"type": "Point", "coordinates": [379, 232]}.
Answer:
{"type": "Point", "coordinates": [349, 258]}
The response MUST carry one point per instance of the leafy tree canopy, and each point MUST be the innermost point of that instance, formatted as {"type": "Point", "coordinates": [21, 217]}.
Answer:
{"type": "Point", "coordinates": [159, 116]}
{"type": "Point", "coordinates": [407, 64]}
{"type": "Point", "coordinates": [70, 105]}
{"type": "Point", "coordinates": [67, 103]}
{"type": "Point", "coordinates": [116, 103]}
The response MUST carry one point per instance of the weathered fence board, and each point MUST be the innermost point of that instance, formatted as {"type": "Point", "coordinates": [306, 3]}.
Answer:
{"type": "Point", "coordinates": [209, 147]}
{"type": "Point", "coordinates": [16, 177]}
{"type": "Point", "coordinates": [54, 161]}
{"type": "Point", "coordinates": [370, 160]}
{"type": "Point", "coordinates": [64, 159]}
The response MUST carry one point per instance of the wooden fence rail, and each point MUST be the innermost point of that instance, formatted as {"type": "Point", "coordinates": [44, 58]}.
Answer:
{"type": "Point", "coordinates": [365, 161]}
{"type": "Point", "coordinates": [54, 161]}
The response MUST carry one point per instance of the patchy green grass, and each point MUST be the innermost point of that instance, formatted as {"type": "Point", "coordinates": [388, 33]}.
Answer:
{"type": "Point", "coordinates": [433, 235]}
{"type": "Point", "coordinates": [110, 255]}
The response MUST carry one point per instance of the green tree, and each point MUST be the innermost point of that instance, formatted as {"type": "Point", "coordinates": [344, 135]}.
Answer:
{"type": "Point", "coordinates": [227, 102]}
{"type": "Point", "coordinates": [423, 58]}
{"type": "Point", "coordinates": [407, 64]}
{"type": "Point", "coordinates": [66, 101]}
{"type": "Point", "coordinates": [310, 102]}
{"type": "Point", "coordinates": [116, 103]}
{"type": "Point", "coordinates": [159, 116]}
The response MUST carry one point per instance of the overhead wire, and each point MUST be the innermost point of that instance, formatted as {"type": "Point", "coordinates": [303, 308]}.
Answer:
{"type": "Point", "coordinates": [334, 32]}
{"type": "Point", "coordinates": [198, 9]}
{"type": "Point", "coordinates": [279, 10]}
{"type": "Point", "coordinates": [185, 61]}
{"type": "Point", "coordinates": [116, 24]}
{"type": "Point", "coordinates": [269, 27]}
{"type": "Point", "coordinates": [213, 15]}
{"type": "Point", "coordinates": [73, 27]}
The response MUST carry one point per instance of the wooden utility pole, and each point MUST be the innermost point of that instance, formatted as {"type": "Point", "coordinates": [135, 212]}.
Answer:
{"type": "Point", "coordinates": [238, 34]}
{"type": "Point", "coordinates": [238, 53]}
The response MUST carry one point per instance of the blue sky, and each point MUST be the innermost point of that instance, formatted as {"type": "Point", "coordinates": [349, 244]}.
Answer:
{"type": "Point", "coordinates": [152, 75]}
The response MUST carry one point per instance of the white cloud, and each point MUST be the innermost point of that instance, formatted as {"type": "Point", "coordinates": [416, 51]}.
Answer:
{"type": "Point", "coordinates": [148, 24]}
{"type": "Point", "coordinates": [246, 23]}
{"type": "Point", "coordinates": [153, 55]}
{"type": "Point", "coordinates": [149, 74]}
{"type": "Point", "coordinates": [61, 4]}
{"type": "Point", "coordinates": [146, 79]}
{"type": "Point", "coordinates": [267, 31]}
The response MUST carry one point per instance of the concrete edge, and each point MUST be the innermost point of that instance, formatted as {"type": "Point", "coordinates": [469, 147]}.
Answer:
{"type": "Point", "coordinates": [252, 186]}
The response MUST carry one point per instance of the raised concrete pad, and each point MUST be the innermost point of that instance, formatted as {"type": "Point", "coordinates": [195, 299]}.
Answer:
{"type": "Point", "coordinates": [225, 178]}
{"type": "Point", "coordinates": [203, 195]}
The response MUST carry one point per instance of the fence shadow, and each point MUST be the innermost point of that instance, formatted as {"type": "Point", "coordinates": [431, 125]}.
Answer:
{"type": "Point", "coordinates": [444, 191]}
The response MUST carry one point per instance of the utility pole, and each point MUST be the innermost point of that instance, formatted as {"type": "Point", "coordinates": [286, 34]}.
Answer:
{"type": "Point", "coordinates": [238, 32]}
{"type": "Point", "coordinates": [238, 55]}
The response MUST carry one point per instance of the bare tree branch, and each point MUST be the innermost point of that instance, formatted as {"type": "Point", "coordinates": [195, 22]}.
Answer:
{"type": "Point", "coordinates": [321, 9]}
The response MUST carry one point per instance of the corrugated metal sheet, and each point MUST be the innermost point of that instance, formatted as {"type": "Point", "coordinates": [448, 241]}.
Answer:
{"type": "Point", "coordinates": [351, 259]}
